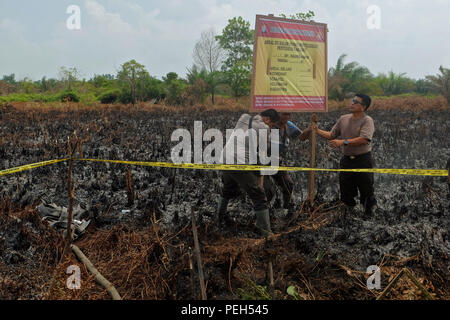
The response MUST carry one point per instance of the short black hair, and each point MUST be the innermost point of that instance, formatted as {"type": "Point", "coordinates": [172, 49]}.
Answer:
{"type": "Point", "coordinates": [272, 114]}
{"type": "Point", "coordinates": [365, 100]}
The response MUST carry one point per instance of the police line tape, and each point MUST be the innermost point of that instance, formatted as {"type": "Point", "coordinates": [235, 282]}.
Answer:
{"type": "Point", "coordinates": [416, 172]}
{"type": "Point", "coordinates": [29, 166]}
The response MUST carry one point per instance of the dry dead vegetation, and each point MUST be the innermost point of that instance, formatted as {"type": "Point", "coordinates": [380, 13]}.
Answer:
{"type": "Point", "coordinates": [146, 260]}
{"type": "Point", "coordinates": [150, 264]}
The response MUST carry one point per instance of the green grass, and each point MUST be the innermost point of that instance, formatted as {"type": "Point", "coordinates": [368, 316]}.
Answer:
{"type": "Point", "coordinates": [23, 97]}
{"type": "Point", "coordinates": [88, 98]}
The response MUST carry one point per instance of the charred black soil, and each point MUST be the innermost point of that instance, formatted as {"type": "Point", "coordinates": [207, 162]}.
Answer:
{"type": "Point", "coordinates": [146, 250]}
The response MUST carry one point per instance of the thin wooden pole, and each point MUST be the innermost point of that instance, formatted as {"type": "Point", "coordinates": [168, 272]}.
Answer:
{"type": "Point", "coordinates": [418, 284]}
{"type": "Point", "coordinates": [390, 285]}
{"type": "Point", "coordinates": [71, 192]}
{"type": "Point", "coordinates": [410, 276]}
{"type": "Point", "coordinates": [312, 162]}
{"type": "Point", "coordinates": [191, 271]}
{"type": "Point", "coordinates": [199, 258]}
{"type": "Point", "coordinates": [97, 275]}
{"type": "Point", "coordinates": [271, 282]}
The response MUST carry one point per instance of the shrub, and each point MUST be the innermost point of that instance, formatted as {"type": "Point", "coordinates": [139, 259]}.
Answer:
{"type": "Point", "coordinates": [110, 96]}
{"type": "Point", "coordinates": [67, 96]}
{"type": "Point", "coordinates": [125, 97]}
{"type": "Point", "coordinates": [195, 93]}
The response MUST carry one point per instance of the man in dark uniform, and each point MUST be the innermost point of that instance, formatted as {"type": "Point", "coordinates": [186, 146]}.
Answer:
{"type": "Point", "coordinates": [249, 181]}
{"type": "Point", "coordinates": [355, 132]}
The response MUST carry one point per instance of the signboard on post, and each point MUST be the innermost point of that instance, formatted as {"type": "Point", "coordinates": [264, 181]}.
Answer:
{"type": "Point", "coordinates": [289, 65]}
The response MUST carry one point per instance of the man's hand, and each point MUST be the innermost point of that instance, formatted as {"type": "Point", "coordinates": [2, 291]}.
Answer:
{"type": "Point", "coordinates": [307, 132]}
{"type": "Point", "coordinates": [336, 143]}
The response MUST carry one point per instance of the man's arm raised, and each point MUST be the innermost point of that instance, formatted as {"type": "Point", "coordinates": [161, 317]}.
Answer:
{"type": "Point", "coordinates": [324, 134]}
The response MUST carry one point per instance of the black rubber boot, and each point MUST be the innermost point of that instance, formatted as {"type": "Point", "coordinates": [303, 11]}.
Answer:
{"type": "Point", "coordinates": [287, 201]}
{"type": "Point", "coordinates": [291, 215]}
{"type": "Point", "coordinates": [222, 207]}
{"type": "Point", "coordinates": [263, 222]}
{"type": "Point", "coordinates": [222, 216]}
{"type": "Point", "coordinates": [370, 206]}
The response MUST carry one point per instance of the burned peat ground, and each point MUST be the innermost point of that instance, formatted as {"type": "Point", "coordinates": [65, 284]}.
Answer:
{"type": "Point", "coordinates": [146, 251]}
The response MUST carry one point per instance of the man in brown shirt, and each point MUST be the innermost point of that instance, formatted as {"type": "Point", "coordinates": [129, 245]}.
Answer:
{"type": "Point", "coordinates": [353, 133]}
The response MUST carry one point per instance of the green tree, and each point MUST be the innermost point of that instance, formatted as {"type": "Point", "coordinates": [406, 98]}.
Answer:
{"type": "Point", "coordinates": [304, 16]}
{"type": "Point", "coordinates": [27, 86]}
{"type": "Point", "coordinates": [153, 89]}
{"type": "Point", "coordinates": [441, 82]}
{"type": "Point", "coordinates": [393, 83]}
{"type": "Point", "coordinates": [133, 77]}
{"type": "Point", "coordinates": [237, 40]}
{"type": "Point", "coordinates": [68, 77]}
{"type": "Point", "coordinates": [211, 80]}
{"type": "Point", "coordinates": [239, 79]}
{"type": "Point", "coordinates": [308, 16]}
{"type": "Point", "coordinates": [346, 79]}
{"type": "Point", "coordinates": [6, 88]}
{"type": "Point", "coordinates": [174, 88]}
{"type": "Point", "coordinates": [102, 80]}
{"type": "Point", "coordinates": [425, 87]}
{"type": "Point", "coordinates": [11, 79]}
{"type": "Point", "coordinates": [197, 88]}
{"type": "Point", "coordinates": [43, 84]}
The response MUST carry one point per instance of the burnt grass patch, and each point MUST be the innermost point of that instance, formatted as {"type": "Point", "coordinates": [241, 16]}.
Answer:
{"type": "Point", "coordinates": [142, 241]}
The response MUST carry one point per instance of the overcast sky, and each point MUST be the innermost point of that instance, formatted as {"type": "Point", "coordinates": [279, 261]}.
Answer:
{"type": "Point", "coordinates": [161, 34]}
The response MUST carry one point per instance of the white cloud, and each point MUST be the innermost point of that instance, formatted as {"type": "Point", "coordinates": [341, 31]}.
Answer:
{"type": "Point", "coordinates": [162, 34]}
{"type": "Point", "coordinates": [111, 22]}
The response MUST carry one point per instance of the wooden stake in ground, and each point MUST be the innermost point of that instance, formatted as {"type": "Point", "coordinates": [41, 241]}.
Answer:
{"type": "Point", "coordinates": [199, 258]}
{"type": "Point", "coordinates": [271, 282]}
{"type": "Point", "coordinates": [98, 276]}
{"type": "Point", "coordinates": [191, 272]}
{"type": "Point", "coordinates": [312, 162]}
{"type": "Point", "coordinates": [269, 263]}
{"type": "Point", "coordinates": [71, 192]}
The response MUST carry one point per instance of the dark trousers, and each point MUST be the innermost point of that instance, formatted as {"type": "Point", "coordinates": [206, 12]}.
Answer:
{"type": "Point", "coordinates": [351, 182]}
{"type": "Point", "coordinates": [284, 182]}
{"type": "Point", "coordinates": [234, 181]}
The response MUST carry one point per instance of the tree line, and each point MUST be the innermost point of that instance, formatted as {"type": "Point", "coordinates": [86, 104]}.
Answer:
{"type": "Point", "coordinates": [222, 64]}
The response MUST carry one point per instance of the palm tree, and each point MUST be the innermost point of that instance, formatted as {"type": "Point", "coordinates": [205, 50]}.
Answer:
{"type": "Point", "coordinates": [395, 83]}
{"type": "Point", "coordinates": [441, 82]}
{"type": "Point", "coordinates": [345, 79]}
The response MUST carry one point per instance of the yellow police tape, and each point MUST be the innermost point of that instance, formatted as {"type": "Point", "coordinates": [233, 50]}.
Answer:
{"type": "Point", "coordinates": [416, 172]}
{"type": "Point", "coordinates": [29, 166]}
